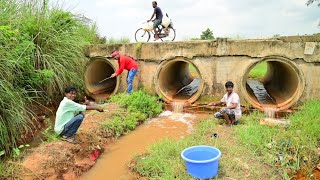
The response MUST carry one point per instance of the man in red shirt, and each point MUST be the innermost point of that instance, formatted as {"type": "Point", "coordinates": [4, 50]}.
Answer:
{"type": "Point", "coordinates": [127, 63]}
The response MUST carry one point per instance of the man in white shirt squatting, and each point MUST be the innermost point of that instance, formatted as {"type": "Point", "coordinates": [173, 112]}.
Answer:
{"type": "Point", "coordinates": [232, 112]}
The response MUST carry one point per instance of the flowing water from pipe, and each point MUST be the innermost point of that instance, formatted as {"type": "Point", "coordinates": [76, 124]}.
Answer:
{"type": "Point", "coordinates": [270, 112]}
{"type": "Point", "coordinates": [114, 161]}
{"type": "Point", "coordinates": [177, 106]}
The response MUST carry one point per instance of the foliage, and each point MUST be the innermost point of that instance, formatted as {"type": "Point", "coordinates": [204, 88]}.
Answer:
{"type": "Point", "coordinates": [41, 51]}
{"type": "Point", "coordinates": [207, 34]}
{"type": "Point", "coordinates": [290, 149]}
{"type": "Point", "coordinates": [139, 106]}
{"type": "Point", "coordinates": [250, 148]}
{"type": "Point", "coordinates": [259, 71]}
{"type": "Point", "coordinates": [122, 123]}
{"type": "Point", "coordinates": [139, 101]}
{"type": "Point", "coordinates": [49, 134]}
{"type": "Point", "coordinates": [16, 151]}
{"type": "Point", "coordinates": [9, 171]}
{"type": "Point", "coordinates": [138, 48]}
{"type": "Point", "coordinates": [122, 40]}
{"type": "Point", "coordinates": [14, 118]}
{"type": "Point", "coordinates": [309, 2]}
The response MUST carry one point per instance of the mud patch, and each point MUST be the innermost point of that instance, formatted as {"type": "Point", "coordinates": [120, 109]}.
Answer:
{"type": "Point", "coordinates": [62, 160]}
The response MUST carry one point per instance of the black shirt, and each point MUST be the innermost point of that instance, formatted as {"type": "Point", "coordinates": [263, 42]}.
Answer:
{"type": "Point", "coordinates": [158, 12]}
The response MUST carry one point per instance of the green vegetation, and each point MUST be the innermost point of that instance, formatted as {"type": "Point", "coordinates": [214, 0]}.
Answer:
{"type": "Point", "coordinates": [163, 160]}
{"type": "Point", "coordinates": [41, 51]}
{"type": "Point", "coordinates": [259, 71]}
{"type": "Point", "coordinates": [139, 101]}
{"type": "Point", "coordinates": [193, 71]}
{"type": "Point", "coordinates": [136, 108]}
{"type": "Point", "coordinates": [48, 133]}
{"type": "Point", "coordinates": [288, 149]}
{"type": "Point", "coordinates": [138, 47]}
{"type": "Point", "coordinates": [122, 40]}
{"type": "Point", "coordinates": [9, 170]}
{"type": "Point", "coordinates": [249, 149]}
{"type": "Point", "coordinates": [205, 35]}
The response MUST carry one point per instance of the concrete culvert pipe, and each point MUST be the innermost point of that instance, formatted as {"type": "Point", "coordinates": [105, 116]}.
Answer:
{"type": "Point", "coordinates": [283, 81]}
{"type": "Point", "coordinates": [173, 76]}
{"type": "Point", "coordinates": [96, 70]}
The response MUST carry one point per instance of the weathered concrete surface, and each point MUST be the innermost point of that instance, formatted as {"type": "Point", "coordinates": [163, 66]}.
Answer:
{"type": "Point", "coordinates": [222, 60]}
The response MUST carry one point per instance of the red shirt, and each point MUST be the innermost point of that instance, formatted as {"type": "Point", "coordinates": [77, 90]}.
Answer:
{"type": "Point", "coordinates": [127, 63]}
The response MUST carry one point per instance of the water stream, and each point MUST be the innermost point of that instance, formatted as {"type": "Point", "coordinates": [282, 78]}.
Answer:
{"type": "Point", "coordinates": [113, 162]}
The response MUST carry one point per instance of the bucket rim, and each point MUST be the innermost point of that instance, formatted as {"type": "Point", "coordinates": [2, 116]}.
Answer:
{"type": "Point", "coordinates": [204, 161]}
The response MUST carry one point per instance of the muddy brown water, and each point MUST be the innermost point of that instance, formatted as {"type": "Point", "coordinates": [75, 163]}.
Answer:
{"type": "Point", "coordinates": [113, 162]}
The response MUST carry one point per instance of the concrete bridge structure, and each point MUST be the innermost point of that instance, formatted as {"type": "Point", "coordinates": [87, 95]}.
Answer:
{"type": "Point", "coordinates": [293, 73]}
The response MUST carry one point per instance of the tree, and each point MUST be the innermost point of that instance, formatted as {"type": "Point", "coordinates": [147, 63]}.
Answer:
{"type": "Point", "coordinates": [207, 34]}
{"type": "Point", "coordinates": [312, 1]}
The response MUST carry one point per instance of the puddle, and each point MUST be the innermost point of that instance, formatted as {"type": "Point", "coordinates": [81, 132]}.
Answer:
{"type": "Point", "coordinates": [113, 163]}
{"type": "Point", "coordinates": [260, 92]}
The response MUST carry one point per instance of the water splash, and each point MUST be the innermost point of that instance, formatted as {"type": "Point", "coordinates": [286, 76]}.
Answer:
{"type": "Point", "coordinates": [177, 107]}
{"type": "Point", "coordinates": [270, 112]}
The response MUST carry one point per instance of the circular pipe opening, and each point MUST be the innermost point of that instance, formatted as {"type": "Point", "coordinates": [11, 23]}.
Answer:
{"type": "Point", "coordinates": [98, 69]}
{"type": "Point", "coordinates": [178, 80]}
{"type": "Point", "coordinates": [280, 86]}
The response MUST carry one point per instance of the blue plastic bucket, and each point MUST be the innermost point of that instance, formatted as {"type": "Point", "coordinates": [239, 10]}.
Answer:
{"type": "Point", "coordinates": [202, 161]}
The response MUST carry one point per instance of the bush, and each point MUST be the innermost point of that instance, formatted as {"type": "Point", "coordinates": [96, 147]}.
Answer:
{"type": "Point", "coordinates": [139, 101]}
{"type": "Point", "coordinates": [140, 106]}
{"type": "Point", "coordinates": [41, 52]}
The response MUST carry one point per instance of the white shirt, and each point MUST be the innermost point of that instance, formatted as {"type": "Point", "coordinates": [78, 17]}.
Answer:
{"type": "Point", "coordinates": [66, 111]}
{"type": "Point", "coordinates": [229, 100]}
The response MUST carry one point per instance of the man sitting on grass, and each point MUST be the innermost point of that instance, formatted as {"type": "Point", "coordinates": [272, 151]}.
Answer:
{"type": "Point", "coordinates": [232, 112]}
{"type": "Point", "coordinates": [70, 115]}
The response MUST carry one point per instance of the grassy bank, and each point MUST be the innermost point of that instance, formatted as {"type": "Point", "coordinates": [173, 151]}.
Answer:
{"type": "Point", "coordinates": [135, 109]}
{"type": "Point", "coordinates": [286, 150]}
{"type": "Point", "coordinates": [41, 51]}
{"type": "Point", "coordinates": [250, 150]}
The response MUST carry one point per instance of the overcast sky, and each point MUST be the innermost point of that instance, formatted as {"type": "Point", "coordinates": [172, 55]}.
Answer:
{"type": "Point", "coordinates": [227, 18]}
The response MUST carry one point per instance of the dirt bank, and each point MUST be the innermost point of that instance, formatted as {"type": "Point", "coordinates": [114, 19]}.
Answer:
{"type": "Point", "coordinates": [62, 160]}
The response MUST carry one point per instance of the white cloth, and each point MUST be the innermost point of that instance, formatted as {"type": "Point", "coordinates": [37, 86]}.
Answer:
{"type": "Point", "coordinates": [229, 100]}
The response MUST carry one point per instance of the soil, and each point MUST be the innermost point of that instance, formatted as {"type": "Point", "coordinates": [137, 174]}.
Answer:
{"type": "Point", "coordinates": [301, 175]}
{"type": "Point", "coordinates": [62, 160]}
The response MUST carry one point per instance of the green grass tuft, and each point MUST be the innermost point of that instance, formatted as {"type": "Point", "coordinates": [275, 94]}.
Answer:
{"type": "Point", "coordinates": [139, 106]}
